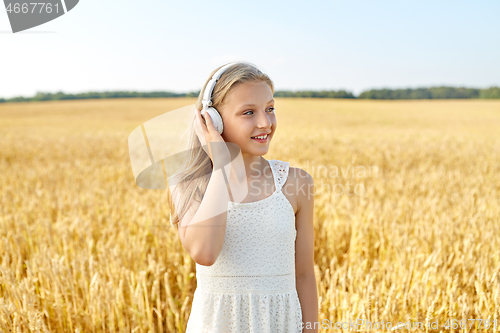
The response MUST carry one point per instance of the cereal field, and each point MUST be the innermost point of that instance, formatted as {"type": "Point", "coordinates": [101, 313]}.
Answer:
{"type": "Point", "coordinates": [407, 214]}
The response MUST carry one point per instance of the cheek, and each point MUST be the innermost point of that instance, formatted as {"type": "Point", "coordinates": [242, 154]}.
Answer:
{"type": "Point", "coordinates": [231, 132]}
{"type": "Point", "coordinates": [274, 124]}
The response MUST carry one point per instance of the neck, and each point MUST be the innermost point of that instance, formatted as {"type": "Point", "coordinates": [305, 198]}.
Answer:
{"type": "Point", "coordinates": [254, 165]}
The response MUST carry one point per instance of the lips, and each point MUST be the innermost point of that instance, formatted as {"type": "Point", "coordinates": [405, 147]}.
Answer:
{"type": "Point", "coordinates": [261, 140]}
{"type": "Point", "coordinates": [261, 135]}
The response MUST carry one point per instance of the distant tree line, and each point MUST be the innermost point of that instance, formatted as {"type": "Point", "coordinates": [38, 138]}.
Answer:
{"type": "Point", "coordinates": [314, 94]}
{"type": "Point", "coordinates": [41, 96]}
{"type": "Point", "coordinates": [417, 93]}
{"type": "Point", "coordinates": [431, 93]}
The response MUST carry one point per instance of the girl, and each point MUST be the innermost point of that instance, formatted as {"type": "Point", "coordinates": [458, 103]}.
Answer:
{"type": "Point", "coordinates": [254, 255]}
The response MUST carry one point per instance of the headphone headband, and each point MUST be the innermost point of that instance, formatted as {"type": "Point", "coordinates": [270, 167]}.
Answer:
{"type": "Point", "coordinates": [207, 96]}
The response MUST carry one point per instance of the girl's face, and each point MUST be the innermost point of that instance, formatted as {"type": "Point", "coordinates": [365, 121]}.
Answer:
{"type": "Point", "coordinates": [248, 111]}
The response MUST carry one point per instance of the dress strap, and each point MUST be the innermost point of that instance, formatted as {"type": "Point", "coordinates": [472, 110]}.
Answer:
{"type": "Point", "coordinates": [280, 172]}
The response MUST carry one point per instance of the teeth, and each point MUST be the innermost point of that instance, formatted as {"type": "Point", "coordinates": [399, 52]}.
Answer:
{"type": "Point", "coordinates": [260, 137]}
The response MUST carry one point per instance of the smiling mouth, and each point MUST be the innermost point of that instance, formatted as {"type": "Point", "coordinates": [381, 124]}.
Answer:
{"type": "Point", "coordinates": [260, 138]}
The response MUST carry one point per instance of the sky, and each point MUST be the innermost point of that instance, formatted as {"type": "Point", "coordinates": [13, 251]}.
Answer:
{"type": "Point", "coordinates": [315, 45]}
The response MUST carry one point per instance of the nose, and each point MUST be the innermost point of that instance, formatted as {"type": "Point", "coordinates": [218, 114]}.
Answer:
{"type": "Point", "coordinates": [264, 121]}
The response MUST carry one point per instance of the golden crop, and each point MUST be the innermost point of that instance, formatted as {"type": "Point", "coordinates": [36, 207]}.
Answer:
{"type": "Point", "coordinates": [84, 249]}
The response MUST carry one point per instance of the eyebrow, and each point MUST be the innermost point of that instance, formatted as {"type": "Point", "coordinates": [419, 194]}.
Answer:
{"type": "Point", "coordinates": [245, 105]}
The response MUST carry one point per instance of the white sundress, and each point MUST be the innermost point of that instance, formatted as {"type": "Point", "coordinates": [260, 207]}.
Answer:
{"type": "Point", "coordinates": [251, 286]}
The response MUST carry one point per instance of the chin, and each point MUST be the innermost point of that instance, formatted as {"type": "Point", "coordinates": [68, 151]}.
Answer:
{"type": "Point", "coordinates": [259, 152]}
{"type": "Point", "coordinates": [256, 152]}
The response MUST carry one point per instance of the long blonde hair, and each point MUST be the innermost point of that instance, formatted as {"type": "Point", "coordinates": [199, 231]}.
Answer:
{"type": "Point", "coordinates": [197, 166]}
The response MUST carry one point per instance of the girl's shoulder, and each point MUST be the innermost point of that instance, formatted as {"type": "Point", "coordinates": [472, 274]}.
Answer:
{"type": "Point", "coordinates": [281, 167]}
{"type": "Point", "coordinates": [298, 184]}
{"type": "Point", "coordinates": [294, 174]}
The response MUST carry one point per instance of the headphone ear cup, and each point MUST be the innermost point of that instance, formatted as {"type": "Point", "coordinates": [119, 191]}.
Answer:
{"type": "Point", "coordinates": [216, 118]}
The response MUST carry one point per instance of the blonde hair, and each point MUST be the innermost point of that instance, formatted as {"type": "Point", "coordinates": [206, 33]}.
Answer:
{"type": "Point", "coordinates": [197, 166]}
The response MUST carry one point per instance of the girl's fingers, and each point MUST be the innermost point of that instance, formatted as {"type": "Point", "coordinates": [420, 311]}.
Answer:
{"type": "Point", "coordinates": [197, 124]}
{"type": "Point", "coordinates": [201, 122]}
{"type": "Point", "coordinates": [208, 128]}
{"type": "Point", "coordinates": [208, 119]}
{"type": "Point", "coordinates": [199, 130]}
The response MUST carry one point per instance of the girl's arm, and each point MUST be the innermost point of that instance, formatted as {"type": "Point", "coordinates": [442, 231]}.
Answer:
{"type": "Point", "coordinates": [304, 252]}
{"type": "Point", "coordinates": [203, 227]}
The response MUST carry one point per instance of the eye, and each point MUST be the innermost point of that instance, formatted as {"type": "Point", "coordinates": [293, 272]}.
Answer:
{"type": "Point", "coordinates": [271, 108]}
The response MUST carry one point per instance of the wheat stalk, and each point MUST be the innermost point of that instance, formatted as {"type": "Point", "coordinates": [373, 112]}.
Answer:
{"type": "Point", "coordinates": [429, 314]}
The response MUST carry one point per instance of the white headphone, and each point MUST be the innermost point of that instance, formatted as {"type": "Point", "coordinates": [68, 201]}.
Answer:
{"type": "Point", "coordinates": [207, 99]}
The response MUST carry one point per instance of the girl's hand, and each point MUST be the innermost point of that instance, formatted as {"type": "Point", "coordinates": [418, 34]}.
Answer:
{"type": "Point", "coordinates": [207, 133]}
